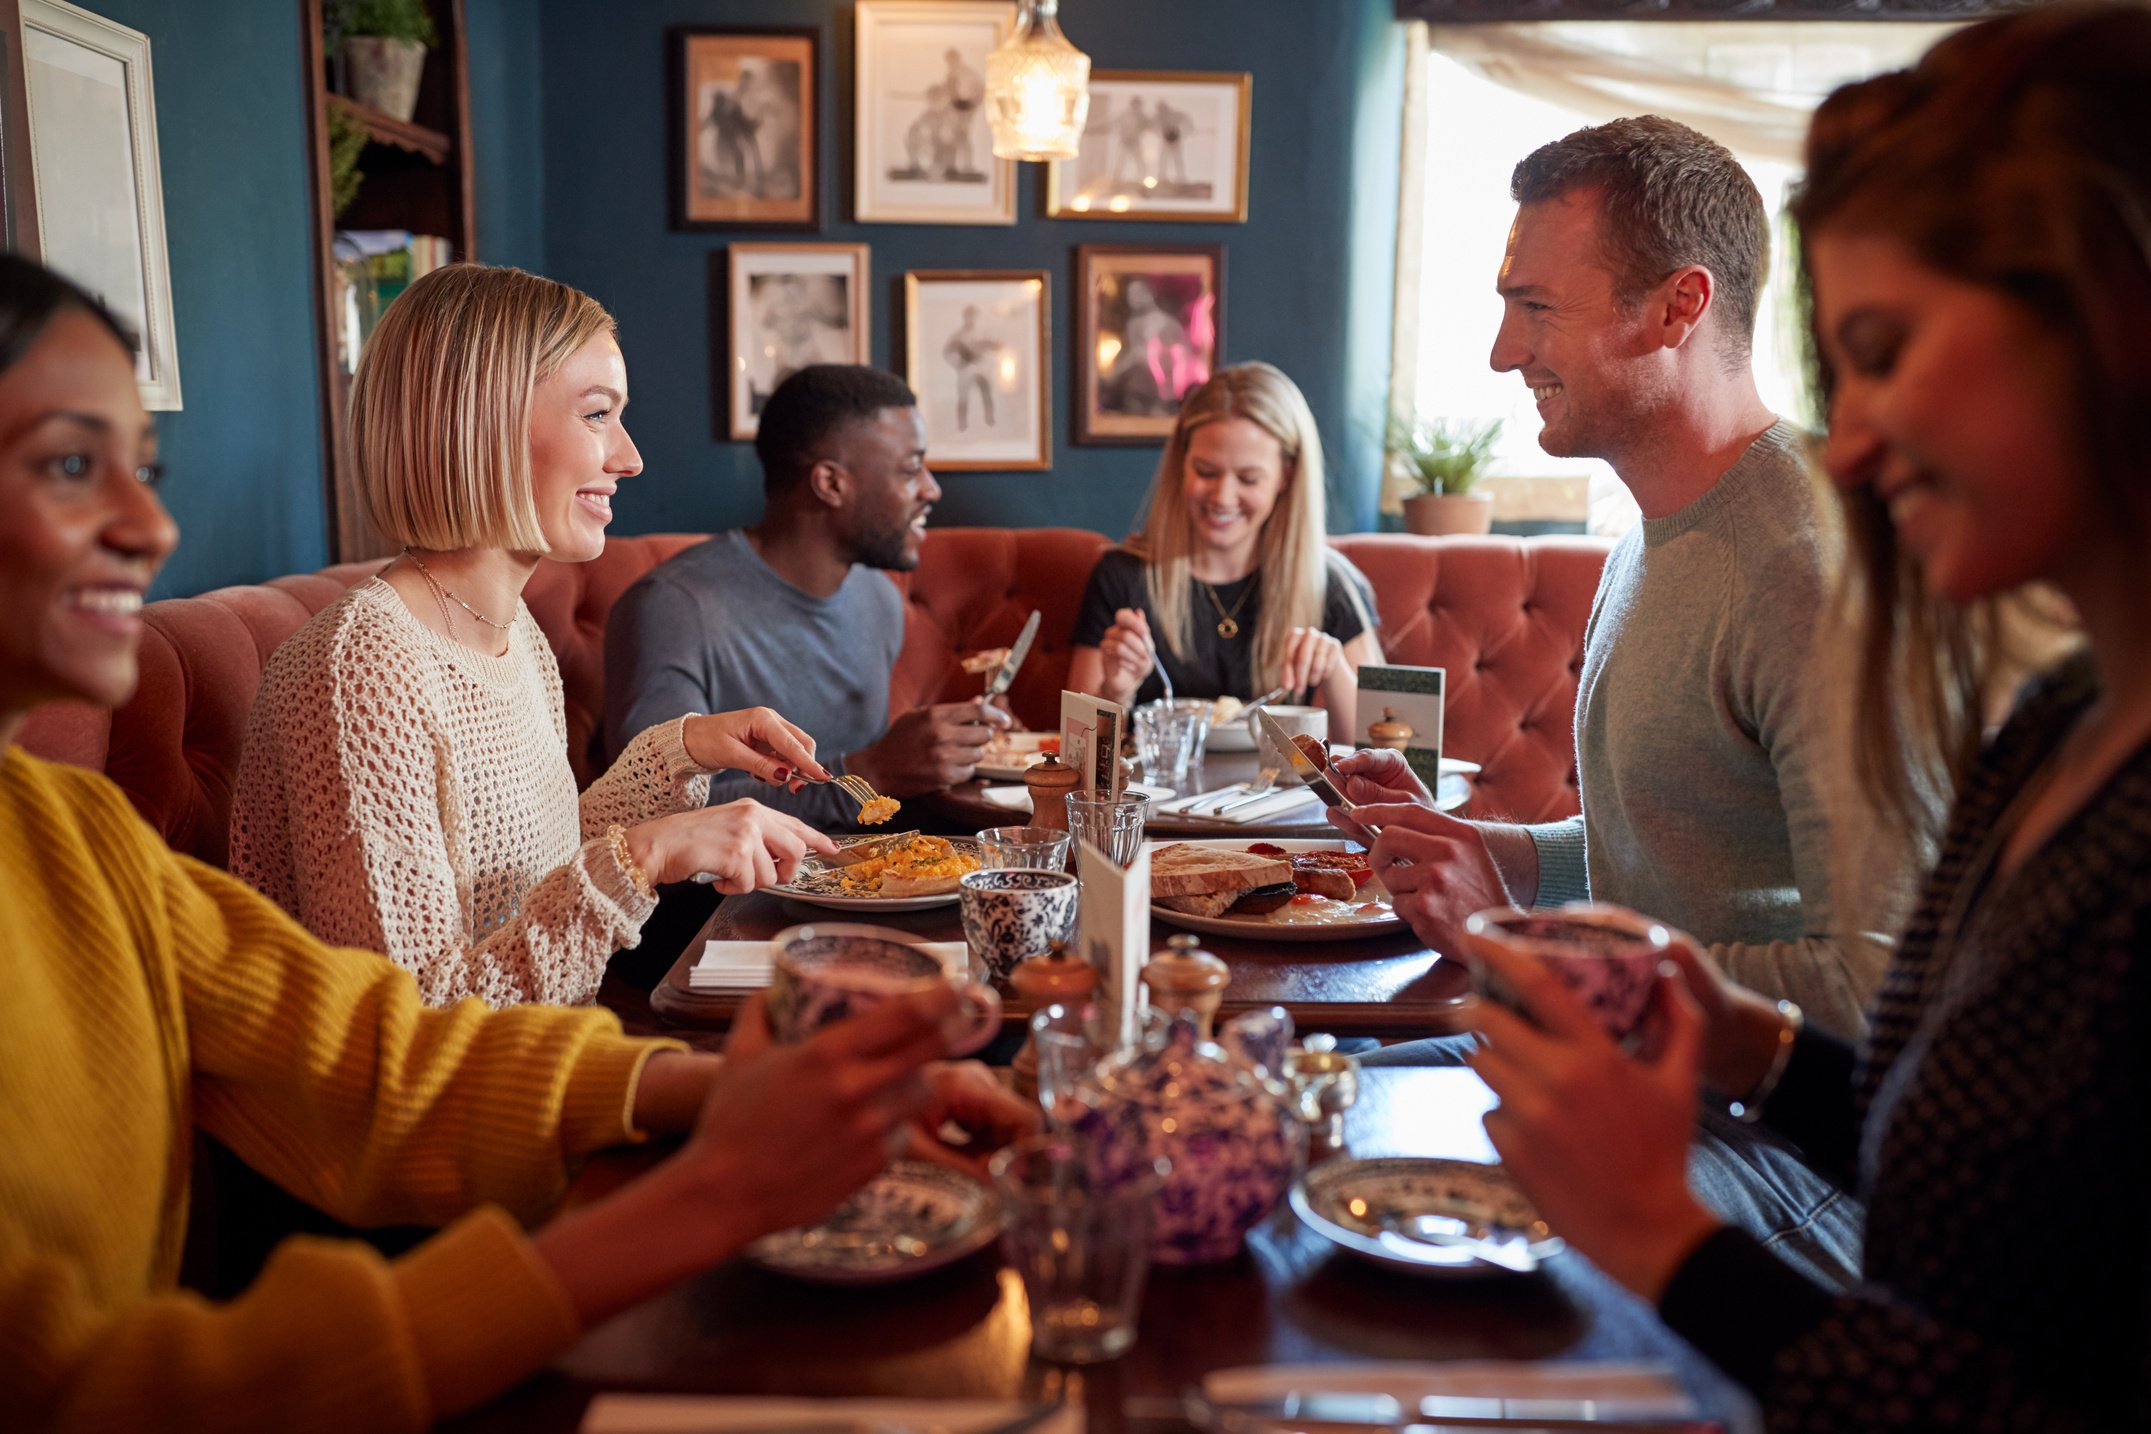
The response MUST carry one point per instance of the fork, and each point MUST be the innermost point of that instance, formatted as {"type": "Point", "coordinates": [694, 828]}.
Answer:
{"type": "Point", "coordinates": [859, 789]}
{"type": "Point", "coordinates": [1265, 783]}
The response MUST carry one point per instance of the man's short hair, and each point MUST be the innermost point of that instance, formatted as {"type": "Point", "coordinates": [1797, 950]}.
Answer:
{"type": "Point", "coordinates": [1670, 196]}
{"type": "Point", "coordinates": [812, 405]}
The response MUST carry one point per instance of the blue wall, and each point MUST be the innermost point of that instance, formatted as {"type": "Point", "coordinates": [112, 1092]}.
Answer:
{"type": "Point", "coordinates": [507, 130]}
{"type": "Point", "coordinates": [1307, 278]}
{"type": "Point", "coordinates": [245, 453]}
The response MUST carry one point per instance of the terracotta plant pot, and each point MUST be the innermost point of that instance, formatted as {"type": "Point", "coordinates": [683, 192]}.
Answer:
{"type": "Point", "coordinates": [384, 74]}
{"type": "Point", "coordinates": [1441, 515]}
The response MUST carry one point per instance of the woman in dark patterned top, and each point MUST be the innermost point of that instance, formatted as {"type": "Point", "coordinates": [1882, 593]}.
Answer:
{"type": "Point", "coordinates": [1978, 234]}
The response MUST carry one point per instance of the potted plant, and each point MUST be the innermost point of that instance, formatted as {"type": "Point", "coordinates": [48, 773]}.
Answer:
{"type": "Point", "coordinates": [1444, 461]}
{"type": "Point", "coordinates": [383, 44]}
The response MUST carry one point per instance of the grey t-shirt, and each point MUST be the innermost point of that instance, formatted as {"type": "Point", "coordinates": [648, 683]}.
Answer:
{"type": "Point", "coordinates": [1703, 761]}
{"type": "Point", "coordinates": [715, 628]}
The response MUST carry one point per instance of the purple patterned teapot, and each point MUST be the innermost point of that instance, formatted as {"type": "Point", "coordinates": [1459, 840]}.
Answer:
{"type": "Point", "coordinates": [1216, 1113]}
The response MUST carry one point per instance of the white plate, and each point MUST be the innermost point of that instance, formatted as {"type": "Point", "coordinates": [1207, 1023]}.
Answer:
{"type": "Point", "coordinates": [946, 1214]}
{"type": "Point", "coordinates": [838, 901]}
{"type": "Point", "coordinates": [1233, 736]}
{"type": "Point", "coordinates": [1262, 928]}
{"type": "Point", "coordinates": [1018, 799]}
{"type": "Point", "coordinates": [1023, 746]}
{"type": "Point", "coordinates": [1345, 1200]}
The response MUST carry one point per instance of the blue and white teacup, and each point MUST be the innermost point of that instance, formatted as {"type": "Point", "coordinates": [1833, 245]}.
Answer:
{"type": "Point", "coordinates": [825, 972]}
{"type": "Point", "coordinates": [1011, 912]}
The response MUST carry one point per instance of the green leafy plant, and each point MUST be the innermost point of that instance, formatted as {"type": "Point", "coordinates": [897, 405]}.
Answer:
{"type": "Point", "coordinates": [388, 19]}
{"type": "Point", "coordinates": [347, 140]}
{"type": "Point", "coordinates": [1441, 456]}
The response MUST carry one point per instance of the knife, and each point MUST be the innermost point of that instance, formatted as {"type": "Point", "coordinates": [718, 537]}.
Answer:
{"type": "Point", "coordinates": [1005, 676]}
{"type": "Point", "coordinates": [1311, 776]}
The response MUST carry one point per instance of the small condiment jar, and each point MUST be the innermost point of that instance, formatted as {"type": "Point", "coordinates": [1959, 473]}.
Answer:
{"type": "Point", "coordinates": [1050, 782]}
{"type": "Point", "coordinates": [1392, 732]}
{"type": "Point", "coordinates": [1186, 977]}
{"type": "Point", "coordinates": [1051, 977]}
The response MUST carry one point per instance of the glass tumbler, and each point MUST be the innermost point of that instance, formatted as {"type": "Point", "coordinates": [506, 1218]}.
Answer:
{"type": "Point", "coordinates": [1169, 739]}
{"type": "Point", "coordinates": [1114, 825]}
{"type": "Point", "coordinates": [1031, 848]}
{"type": "Point", "coordinates": [1081, 1246]}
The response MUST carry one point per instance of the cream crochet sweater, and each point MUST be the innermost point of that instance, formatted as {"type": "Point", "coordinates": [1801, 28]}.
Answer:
{"type": "Point", "coordinates": [402, 793]}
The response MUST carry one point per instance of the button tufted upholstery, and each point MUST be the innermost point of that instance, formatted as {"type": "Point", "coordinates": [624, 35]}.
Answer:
{"type": "Point", "coordinates": [1505, 616]}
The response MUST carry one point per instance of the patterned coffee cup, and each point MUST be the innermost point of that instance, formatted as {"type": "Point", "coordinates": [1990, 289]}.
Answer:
{"type": "Point", "coordinates": [1010, 913]}
{"type": "Point", "coordinates": [830, 970]}
{"type": "Point", "coordinates": [1606, 954]}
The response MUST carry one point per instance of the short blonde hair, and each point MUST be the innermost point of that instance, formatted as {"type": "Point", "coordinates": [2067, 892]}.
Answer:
{"type": "Point", "coordinates": [440, 407]}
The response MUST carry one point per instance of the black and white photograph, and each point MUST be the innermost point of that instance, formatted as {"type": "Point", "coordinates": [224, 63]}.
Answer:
{"type": "Point", "coordinates": [747, 116]}
{"type": "Point", "coordinates": [1148, 332]}
{"type": "Point", "coordinates": [94, 197]}
{"type": "Point", "coordinates": [1159, 144]}
{"type": "Point", "coordinates": [790, 305]}
{"type": "Point", "coordinates": [976, 353]}
{"type": "Point", "coordinates": [924, 152]}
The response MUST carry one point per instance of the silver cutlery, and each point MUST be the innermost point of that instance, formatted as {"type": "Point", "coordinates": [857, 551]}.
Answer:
{"type": "Point", "coordinates": [1366, 1413]}
{"type": "Point", "coordinates": [1263, 787]}
{"type": "Point", "coordinates": [1004, 676]}
{"type": "Point", "coordinates": [1510, 1249]}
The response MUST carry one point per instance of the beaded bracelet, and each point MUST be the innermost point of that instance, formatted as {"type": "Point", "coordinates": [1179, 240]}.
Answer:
{"type": "Point", "coordinates": [617, 835]}
{"type": "Point", "coordinates": [1750, 1109]}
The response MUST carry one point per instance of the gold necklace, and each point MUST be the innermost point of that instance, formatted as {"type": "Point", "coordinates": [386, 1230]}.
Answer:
{"type": "Point", "coordinates": [1228, 626]}
{"type": "Point", "coordinates": [442, 592]}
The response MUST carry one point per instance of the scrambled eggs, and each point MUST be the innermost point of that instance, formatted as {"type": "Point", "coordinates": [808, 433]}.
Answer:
{"type": "Point", "coordinates": [877, 811]}
{"type": "Point", "coordinates": [919, 859]}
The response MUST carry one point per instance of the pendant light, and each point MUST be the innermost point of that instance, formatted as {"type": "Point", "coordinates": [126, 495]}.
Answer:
{"type": "Point", "coordinates": [1037, 89]}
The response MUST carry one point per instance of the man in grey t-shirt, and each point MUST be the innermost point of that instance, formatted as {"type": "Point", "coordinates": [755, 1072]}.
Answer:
{"type": "Point", "coordinates": [794, 612]}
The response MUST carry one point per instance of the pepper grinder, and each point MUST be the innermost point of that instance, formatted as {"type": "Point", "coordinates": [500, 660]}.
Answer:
{"type": "Point", "coordinates": [1042, 981]}
{"type": "Point", "coordinates": [1050, 782]}
{"type": "Point", "coordinates": [1186, 977]}
{"type": "Point", "coordinates": [1392, 732]}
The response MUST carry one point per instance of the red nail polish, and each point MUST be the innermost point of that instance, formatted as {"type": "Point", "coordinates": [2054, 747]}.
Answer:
{"type": "Point", "coordinates": [781, 774]}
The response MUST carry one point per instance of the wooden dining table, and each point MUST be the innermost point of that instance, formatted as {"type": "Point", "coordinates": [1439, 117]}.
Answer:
{"type": "Point", "coordinates": [964, 1331]}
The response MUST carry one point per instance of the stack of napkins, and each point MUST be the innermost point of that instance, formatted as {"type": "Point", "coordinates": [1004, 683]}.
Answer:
{"type": "Point", "coordinates": [744, 965]}
{"type": "Point", "coordinates": [715, 1414]}
{"type": "Point", "coordinates": [1281, 807]}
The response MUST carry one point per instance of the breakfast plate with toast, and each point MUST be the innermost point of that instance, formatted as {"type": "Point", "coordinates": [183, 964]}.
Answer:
{"type": "Point", "coordinates": [1280, 890]}
{"type": "Point", "coordinates": [903, 871]}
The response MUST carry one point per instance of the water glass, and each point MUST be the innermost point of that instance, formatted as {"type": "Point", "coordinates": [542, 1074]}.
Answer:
{"type": "Point", "coordinates": [1073, 1041]}
{"type": "Point", "coordinates": [1169, 738]}
{"type": "Point", "coordinates": [1022, 848]}
{"type": "Point", "coordinates": [1081, 1245]}
{"type": "Point", "coordinates": [1114, 825]}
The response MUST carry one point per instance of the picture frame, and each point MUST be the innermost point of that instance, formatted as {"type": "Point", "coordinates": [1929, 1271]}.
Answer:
{"type": "Point", "coordinates": [787, 306]}
{"type": "Point", "coordinates": [85, 184]}
{"type": "Point", "coordinates": [746, 130]}
{"type": "Point", "coordinates": [922, 152]}
{"type": "Point", "coordinates": [1159, 145]}
{"type": "Point", "coordinates": [1149, 328]}
{"type": "Point", "coordinates": [977, 353]}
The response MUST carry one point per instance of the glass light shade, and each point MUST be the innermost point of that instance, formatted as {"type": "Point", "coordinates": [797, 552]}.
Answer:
{"type": "Point", "coordinates": [1037, 89]}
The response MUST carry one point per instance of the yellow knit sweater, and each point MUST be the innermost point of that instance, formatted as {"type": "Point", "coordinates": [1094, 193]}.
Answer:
{"type": "Point", "coordinates": [144, 996]}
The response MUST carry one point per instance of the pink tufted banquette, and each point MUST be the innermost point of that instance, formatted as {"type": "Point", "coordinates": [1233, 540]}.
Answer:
{"type": "Point", "coordinates": [1505, 616]}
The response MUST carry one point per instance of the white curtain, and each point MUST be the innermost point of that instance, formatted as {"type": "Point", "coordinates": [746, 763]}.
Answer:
{"type": "Point", "coordinates": [1750, 85]}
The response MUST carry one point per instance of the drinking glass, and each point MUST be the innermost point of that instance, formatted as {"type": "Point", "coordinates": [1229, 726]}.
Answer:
{"type": "Point", "coordinates": [1073, 1041]}
{"type": "Point", "coordinates": [1169, 738]}
{"type": "Point", "coordinates": [1114, 825]}
{"type": "Point", "coordinates": [1033, 848]}
{"type": "Point", "coordinates": [1081, 1245]}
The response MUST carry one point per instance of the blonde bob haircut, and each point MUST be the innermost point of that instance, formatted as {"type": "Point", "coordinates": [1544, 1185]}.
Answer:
{"type": "Point", "coordinates": [440, 408]}
{"type": "Point", "coordinates": [1293, 557]}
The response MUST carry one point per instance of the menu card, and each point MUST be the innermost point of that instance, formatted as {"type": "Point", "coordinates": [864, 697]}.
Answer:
{"type": "Point", "coordinates": [1091, 730]}
{"type": "Point", "coordinates": [1412, 695]}
{"type": "Point", "coordinates": [1113, 926]}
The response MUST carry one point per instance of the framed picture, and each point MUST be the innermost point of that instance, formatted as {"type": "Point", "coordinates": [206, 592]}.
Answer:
{"type": "Point", "coordinates": [744, 135]}
{"type": "Point", "coordinates": [88, 197]}
{"type": "Point", "coordinates": [1159, 144]}
{"type": "Point", "coordinates": [787, 306]}
{"type": "Point", "coordinates": [975, 352]}
{"type": "Point", "coordinates": [1149, 328]}
{"type": "Point", "coordinates": [923, 154]}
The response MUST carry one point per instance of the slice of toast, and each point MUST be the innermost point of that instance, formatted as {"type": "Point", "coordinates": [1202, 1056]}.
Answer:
{"type": "Point", "coordinates": [1184, 870]}
{"type": "Point", "coordinates": [1215, 903]}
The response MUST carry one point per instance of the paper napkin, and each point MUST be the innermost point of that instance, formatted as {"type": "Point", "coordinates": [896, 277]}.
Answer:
{"type": "Point", "coordinates": [715, 1414]}
{"type": "Point", "coordinates": [1641, 1390]}
{"type": "Point", "coordinates": [744, 965]}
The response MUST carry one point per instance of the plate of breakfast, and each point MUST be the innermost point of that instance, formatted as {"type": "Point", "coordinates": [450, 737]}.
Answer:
{"type": "Point", "coordinates": [1010, 753]}
{"type": "Point", "coordinates": [903, 871]}
{"type": "Point", "coordinates": [1285, 890]}
{"type": "Point", "coordinates": [1228, 730]}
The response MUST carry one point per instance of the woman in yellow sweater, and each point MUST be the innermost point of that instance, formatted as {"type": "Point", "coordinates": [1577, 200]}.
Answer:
{"type": "Point", "coordinates": [150, 997]}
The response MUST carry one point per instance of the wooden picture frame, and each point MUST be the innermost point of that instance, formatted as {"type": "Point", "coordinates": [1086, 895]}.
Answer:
{"type": "Point", "coordinates": [921, 149]}
{"type": "Point", "coordinates": [85, 185]}
{"type": "Point", "coordinates": [787, 306]}
{"type": "Point", "coordinates": [1159, 145]}
{"type": "Point", "coordinates": [977, 352]}
{"type": "Point", "coordinates": [746, 131]}
{"type": "Point", "coordinates": [1149, 328]}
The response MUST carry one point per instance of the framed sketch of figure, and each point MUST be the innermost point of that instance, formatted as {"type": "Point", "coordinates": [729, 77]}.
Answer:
{"type": "Point", "coordinates": [1159, 144]}
{"type": "Point", "coordinates": [975, 352]}
{"type": "Point", "coordinates": [923, 154]}
{"type": "Point", "coordinates": [1149, 329]}
{"type": "Point", "coordinates": [787, 306]}
{"type": "Point", "coordinates": [744, 133]}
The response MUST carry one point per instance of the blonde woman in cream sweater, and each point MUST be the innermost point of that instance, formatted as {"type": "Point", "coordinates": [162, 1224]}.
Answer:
{"type": "Point", "coordinates": [405, 785]}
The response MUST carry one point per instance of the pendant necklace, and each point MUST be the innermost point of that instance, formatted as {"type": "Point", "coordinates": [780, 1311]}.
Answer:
{"type": "Point", "coordinates": [1228, 624]}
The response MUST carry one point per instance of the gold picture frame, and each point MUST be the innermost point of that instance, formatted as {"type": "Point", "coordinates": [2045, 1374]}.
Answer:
{"type": "Point", "coordinates": [921, 150]}
{"type": "Point", "coordinates": [1150, 328]}
{"type": "Point", "coordinates": [745, 128]}
{"type": "Point", "coordinates": [978, 353]}
{"type": "Point", "coordinates": [1159, 145]}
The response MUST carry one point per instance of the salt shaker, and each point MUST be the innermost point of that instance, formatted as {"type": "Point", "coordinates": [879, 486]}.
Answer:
{"type": "Point", "coordinates": [1186, 977]}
